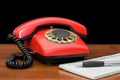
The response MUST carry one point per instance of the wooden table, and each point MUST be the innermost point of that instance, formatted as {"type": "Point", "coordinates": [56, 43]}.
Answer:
{"type": "Point", "coordinates": [39, 71]}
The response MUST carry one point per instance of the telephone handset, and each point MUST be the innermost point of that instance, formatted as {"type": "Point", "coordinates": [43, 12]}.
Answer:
{"type": "Point", "coordinates": [50, 40]}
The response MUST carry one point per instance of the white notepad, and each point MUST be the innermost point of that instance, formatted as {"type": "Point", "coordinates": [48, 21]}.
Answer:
{"type": "Point", "coordinates": [93, 72]}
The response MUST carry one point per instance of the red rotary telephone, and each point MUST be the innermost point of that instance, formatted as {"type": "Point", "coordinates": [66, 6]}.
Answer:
{"type": "Point", "coordinates": [50, 40]}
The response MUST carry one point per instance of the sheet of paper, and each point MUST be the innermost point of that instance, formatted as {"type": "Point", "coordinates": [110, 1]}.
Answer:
{"type": "Point", "coordinates": [93, 72]}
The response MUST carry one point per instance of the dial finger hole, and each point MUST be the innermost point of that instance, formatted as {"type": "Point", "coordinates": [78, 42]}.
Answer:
{"type": "Point", "coordinates": [53, 37]}
{"type": "Point", "coordinates": [59, 39]}
{"type": "Point", "coordinates": [64, 39]}
{"type": "Point", "coordinates": [69, 38]}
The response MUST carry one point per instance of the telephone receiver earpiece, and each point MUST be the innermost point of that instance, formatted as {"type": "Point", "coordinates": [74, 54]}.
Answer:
{"type": "Point", "coordinates": [28, 29]}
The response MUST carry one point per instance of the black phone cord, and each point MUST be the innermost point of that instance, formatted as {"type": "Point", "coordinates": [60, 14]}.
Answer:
{"type": "Point", "coordinates": [25, 56]}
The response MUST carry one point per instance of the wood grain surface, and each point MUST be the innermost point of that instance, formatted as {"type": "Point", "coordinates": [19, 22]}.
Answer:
{"type": "Point", "coordinates": [39, 71]}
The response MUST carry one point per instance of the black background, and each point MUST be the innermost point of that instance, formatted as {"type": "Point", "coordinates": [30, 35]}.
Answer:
{"type": "Point", "coordinates": [102, 21]}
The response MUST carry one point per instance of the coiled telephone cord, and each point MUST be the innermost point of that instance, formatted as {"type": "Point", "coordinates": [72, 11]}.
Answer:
{"type": "Point", "coordinates": [25, 56]}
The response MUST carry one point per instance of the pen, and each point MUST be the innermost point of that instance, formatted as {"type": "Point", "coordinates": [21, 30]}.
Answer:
{"type": "Point", "coordinates": [100, 63]}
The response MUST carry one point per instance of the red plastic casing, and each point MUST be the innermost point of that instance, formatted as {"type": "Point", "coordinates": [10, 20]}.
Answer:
{"type": "Point", "coordinates": [28, 27]}
{"type": "Point", "coordinates": [42, 46]}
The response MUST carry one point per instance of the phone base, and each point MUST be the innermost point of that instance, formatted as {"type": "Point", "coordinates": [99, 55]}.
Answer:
{"type": "Point", "coordinates": [59, 59]}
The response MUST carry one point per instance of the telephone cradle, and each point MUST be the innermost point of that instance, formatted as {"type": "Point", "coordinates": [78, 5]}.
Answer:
{"type": "Point", "coordinates": [50, 40]}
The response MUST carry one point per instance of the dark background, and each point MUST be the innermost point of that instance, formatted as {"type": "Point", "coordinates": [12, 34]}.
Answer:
{"type": "Point", "coordinates": [102, 22]}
